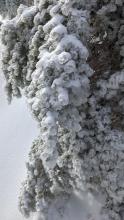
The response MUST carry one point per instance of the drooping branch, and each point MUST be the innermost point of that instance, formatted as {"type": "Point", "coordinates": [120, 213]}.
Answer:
{"type": "Point", "coordinates": [48, 49]}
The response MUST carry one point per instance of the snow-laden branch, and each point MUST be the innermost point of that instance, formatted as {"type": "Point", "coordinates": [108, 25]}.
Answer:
{"type": "Point", "coordinates": [79, 149]}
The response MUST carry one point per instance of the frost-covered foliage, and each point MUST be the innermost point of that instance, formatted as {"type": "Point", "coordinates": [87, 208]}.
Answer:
{"type": "Point", "coordinates": [81, 143]}
{"type": "Point", "coordinates": [9, 7]}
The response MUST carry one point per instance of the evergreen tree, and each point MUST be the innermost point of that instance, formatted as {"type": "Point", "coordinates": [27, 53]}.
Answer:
{"type": "Point", "coordinates": [68, 57]}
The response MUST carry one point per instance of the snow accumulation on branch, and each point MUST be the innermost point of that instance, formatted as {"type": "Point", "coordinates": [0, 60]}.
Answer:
{"type": "Point", "coordinates": [68, 57]}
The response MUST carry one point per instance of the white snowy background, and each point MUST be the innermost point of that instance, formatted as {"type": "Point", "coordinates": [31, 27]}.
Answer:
{"type": "Point", "coordinates": [17, 131]}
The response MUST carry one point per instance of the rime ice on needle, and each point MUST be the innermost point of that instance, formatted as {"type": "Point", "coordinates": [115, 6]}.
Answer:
{"type": "Point", "coordinates": [78, 150]}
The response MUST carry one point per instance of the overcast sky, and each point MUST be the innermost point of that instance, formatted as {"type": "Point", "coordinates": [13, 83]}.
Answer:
{"type": "Point", "coordinates": [17, 130]}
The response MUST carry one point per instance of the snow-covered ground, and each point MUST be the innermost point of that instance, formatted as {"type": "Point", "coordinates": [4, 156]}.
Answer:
{"type": "Point", "coordinates": [17, 130]}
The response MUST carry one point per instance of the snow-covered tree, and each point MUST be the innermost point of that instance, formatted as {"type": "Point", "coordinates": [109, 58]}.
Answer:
{"type": "Point", "coordinates": [67, 56]}
{"type": "Point", "coordinates": [9, 7]}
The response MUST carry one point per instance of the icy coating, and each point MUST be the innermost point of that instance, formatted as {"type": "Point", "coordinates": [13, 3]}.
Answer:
{"type": "Point", "coordinates": [80, 147]}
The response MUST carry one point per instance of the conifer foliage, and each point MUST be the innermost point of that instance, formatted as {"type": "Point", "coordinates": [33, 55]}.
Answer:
{"type": "Point", "coordinates": [9, 7]}
{"type": "Point", "coordinates": [50, 54]}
